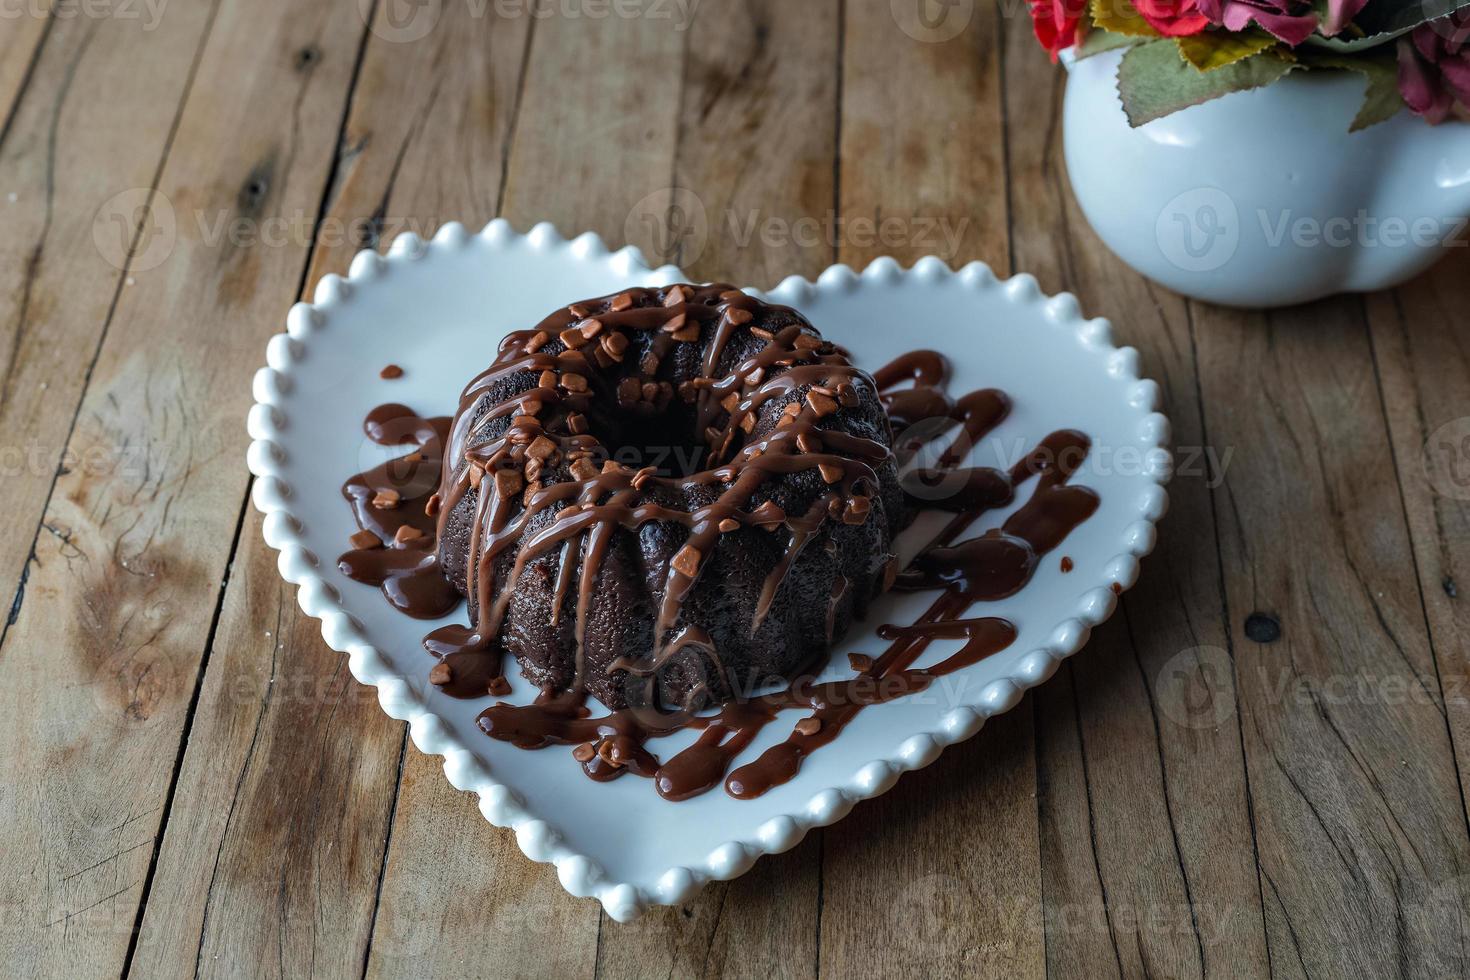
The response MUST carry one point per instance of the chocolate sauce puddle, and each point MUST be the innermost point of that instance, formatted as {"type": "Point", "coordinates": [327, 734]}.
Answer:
{"type": "Point", "coordinates": [963, 571]}
{"type": "Point", "coordinates": [391, 497]}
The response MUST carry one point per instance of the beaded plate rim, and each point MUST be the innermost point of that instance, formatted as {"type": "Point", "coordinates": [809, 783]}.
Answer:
{"type": "Point", "coordinates": [268, 426]}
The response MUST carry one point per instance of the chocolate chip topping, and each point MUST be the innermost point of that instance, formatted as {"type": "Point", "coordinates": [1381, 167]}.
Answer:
{"type": "Point", "coordinates": [366, 540]}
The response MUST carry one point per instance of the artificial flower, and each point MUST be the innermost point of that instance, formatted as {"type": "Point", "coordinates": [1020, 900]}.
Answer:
{"type": "Point", "coordinates": [1340, 14]}
{"type": "Point", "coordinates": [1291, 21]}
{"type": "Point", "coordinates": [1172, 18]}
{"type": "Point", "coordinates": [1434, 66]}
{"type": "Point", "coordinates": [1239, 45]}
{"type": "Point", "coordinates": [1056, 22]}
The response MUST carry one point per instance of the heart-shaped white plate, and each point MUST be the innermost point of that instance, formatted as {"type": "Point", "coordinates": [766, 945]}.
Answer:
{"type": "Point", "coordinates": [439, 309]}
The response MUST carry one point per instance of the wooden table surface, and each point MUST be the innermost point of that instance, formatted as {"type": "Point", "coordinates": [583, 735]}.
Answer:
{"type": "Point", "coordinates": [1253, 768]}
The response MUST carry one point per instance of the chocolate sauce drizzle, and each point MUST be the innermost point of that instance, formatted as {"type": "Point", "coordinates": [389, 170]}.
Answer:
{"type": "Point", "coordinates": [752, 431]}
{"type": "Point", "coordinates": [964, 571]}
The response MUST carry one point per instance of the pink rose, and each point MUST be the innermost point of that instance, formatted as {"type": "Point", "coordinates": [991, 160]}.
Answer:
{"type": "Point", "coordinates": [1292, 21]}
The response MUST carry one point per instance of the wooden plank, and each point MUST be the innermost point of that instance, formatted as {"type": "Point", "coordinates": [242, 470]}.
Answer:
{"type": "Point", "coordinates": [1424, 372]}
{"type": "Point", "coordinates": [762, 924]}
{"type": "Point", "coordinates": [940, 876]}
{"type": "Point", "coordinates": [586, 163]}
{"type": "Point", "coordinates": [1352, 776]}
{"type": "Point", "coordinates": [761, 74]}
{"type": "Point", "coordinates": [426, 141]}
{"type": "Point", "coordinates": [1147, 851]}
{"type": "Point", "coordinates": [101, 89]}
{"type": "Point", "coordinates": [128, 573]}
{"type": "Point", "coordinates": [922, 170]}
{"type": "Point", "coordinates": [758, 141]}
{"type": "Point", "coordinates": [270, 861]}
{"type": "Point", "coordinates": [450, 96]}
{"type": "Point", "coordinates": [461, 900]}
{"type": "Point", "coordinates": [583, 163]}
{"type": "Point", "coordinates": [21, 37]}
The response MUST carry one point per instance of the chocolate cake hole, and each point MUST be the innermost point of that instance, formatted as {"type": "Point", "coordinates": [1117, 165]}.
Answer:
{"type": "Point", "coordinates": [664, 440]}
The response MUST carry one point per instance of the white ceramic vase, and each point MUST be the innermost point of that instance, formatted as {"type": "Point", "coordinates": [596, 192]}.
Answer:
{"type": "Point", "coordinates": [1265, 198]}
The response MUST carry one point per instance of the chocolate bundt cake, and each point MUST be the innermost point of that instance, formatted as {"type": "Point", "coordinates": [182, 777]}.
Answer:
{"type": "Point", "coordinates": [668, 497]}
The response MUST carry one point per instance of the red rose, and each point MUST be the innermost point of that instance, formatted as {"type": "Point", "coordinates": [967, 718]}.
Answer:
{"type": "Point", "coordinates": [1172, 18]}
{"type": "Point", "coordinates": [1056, 23]}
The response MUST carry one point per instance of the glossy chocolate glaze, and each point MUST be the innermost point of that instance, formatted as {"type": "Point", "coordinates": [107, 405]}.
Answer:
{"type": "Point", "coordinates": [965, 572]}
{"type": "Point", "coordinates": [759, 419]}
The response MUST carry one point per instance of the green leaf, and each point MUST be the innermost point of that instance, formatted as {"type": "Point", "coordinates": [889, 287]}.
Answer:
{"type": "Point", "coordinates": [1214, 50]}
{"type": "Point", "coordinates": [1154, 81]}
{"type": "Point", "coordinates": [1099, 41]}
{"type": "Point", "coordinates": [1381, 98]}
{"type": "Point", "coordinates": [1346, 45]}
{"type": "Point", "coordinates": [1383, 20]}
{"type": "Point", "coordinates": [1120, 17]}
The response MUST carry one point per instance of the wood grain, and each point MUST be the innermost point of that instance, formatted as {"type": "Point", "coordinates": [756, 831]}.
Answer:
{"type": "Point", "coordinates": [461, 900]}
{"type": "Point", "coordinates": [276, 831]}
{"type": "Point", "coordinates": [586, 163]}
{"type": "Point", "coordinates": [942, 875]}
{"type": "Point", "coordinates": [21, 39]}
{"type": "Point", "coordinates": [1147, 848]}
{"type": "Point", "coordinates": [762, 924]}
{"type": "Point", "coordinates": [1352, 777]}
{"type": "Point", "coordinates": [757, 140]}
{"type": "Point", "coordinates": [70, 228]}
{"type": "Point", "coordinates": [127, 576]}
{"type": "Point", "coordinates": [1424, 376]}
{"type": "Point", "coordinates": [303, 760]}
{"type": "Point", "coordinates": [923, 167]}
